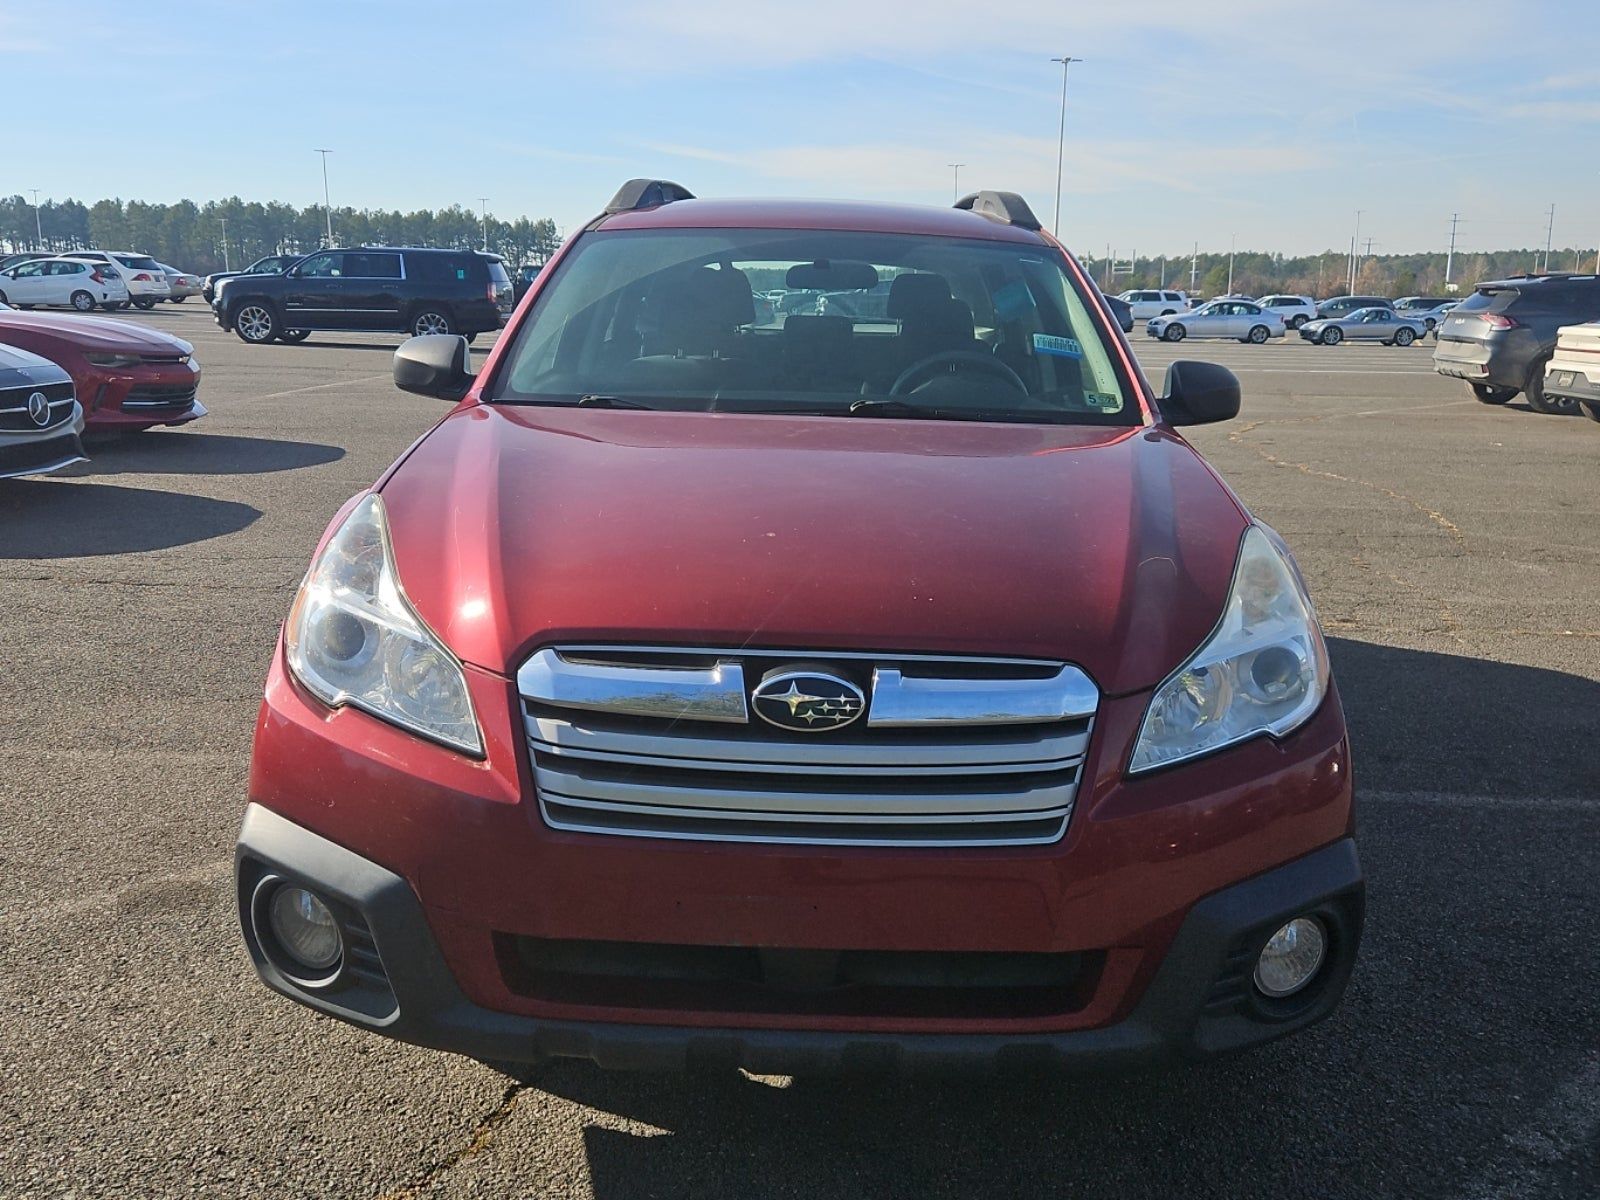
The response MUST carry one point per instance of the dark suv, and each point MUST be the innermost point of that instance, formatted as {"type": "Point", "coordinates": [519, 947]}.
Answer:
{"type": "Point", "coordinates": [1500, 338]}
{"type": "Point", "coordinates": [374, 288]}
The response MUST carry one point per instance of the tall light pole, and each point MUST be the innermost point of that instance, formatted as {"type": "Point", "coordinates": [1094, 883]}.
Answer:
{"type": "Point", "coordinates": [1194, 267]}
{"type": "Point", "coordinates": [955, 189]}
{"type": "Point", "coordinates": [38, 225]}
{"type": "Point", "coordinates": [327, 206]}
{"type": "Point", "coordinates": [225, 265]}
{"type": "Point", "coordinates": [483, 204]}
{"type": "Point", "coordinates": [1355, 253]}
{"type": "Point", "coordinates": [1450, 255]}
{"type": "Point", "coordinates": [1233, 241]}
{"type": "Point", "coordinates": [1549, 232]}
{"type": "Point", "coordinates": [1061, 138]}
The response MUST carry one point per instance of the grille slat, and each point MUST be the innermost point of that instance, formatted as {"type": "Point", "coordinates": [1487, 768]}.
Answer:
{"type": "Point", "coordinates": [969, 784]}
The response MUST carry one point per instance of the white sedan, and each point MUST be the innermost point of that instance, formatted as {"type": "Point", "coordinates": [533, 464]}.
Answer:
{"type": "Point", "coordinates": [62, 283]}
{"type": "Point", "coordinates": [1242, 320]}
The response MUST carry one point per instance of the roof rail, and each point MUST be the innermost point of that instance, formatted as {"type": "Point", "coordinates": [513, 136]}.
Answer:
{"type": "Point", "coordinates": [647, 193]}
{"type": "Point", "coordinates": [1006, 207]}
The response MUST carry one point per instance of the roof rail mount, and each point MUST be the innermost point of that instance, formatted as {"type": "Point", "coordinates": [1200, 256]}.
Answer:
{"type": "Point", "coordinates": [1006, 207]}
{"type": "Point", "coordinates": [647, 193]}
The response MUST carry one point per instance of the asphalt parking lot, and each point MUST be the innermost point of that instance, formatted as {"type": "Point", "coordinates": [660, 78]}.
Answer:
{"type": "Point", "coordinates": [1453, 550]}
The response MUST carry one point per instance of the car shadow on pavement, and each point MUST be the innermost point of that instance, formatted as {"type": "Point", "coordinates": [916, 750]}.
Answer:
{"type": "Point", "coordinates": [40, 519]}
{"type": "Point", "coordinates": [183, 453]}
{"type": "Point", "coordinates": [1445, 1069]}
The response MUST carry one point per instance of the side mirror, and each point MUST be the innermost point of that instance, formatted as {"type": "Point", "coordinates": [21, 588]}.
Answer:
{"type": "Point", "coordinates": [437, 365]}
{"type": "Point", "coordinates": [1199, 393]}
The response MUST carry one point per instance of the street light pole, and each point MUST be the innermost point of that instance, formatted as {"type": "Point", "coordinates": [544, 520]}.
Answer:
{"type": "Point", "coordinates": [483, 203]}
{"type": "Point", "coordinates": [1061, 138]}
{"type": "Point", "coordinates": [1233, 242]}
{"type": "Point", "coordinates": [225, 265]}
{"type": "Point", "coordinates": [1549, 232]}
{"type": "Point", "coordinates": [1355, 253]}
{"type": "Point", "coordinates": [955, 191]}
{"type": "Point", "coordinates": [38, 225]}
{"type": "Point", "coordinates": [1450, 256]}
{"type": "Point", "coordinates": [327, 206]}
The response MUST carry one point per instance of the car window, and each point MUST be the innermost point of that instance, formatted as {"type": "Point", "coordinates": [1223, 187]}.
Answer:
{"type": "Point", "coordinates": [137, 262]}
{"type": "Point", "coordinates": [668, 318]}
{"type": "Point", "coordinates": [367, 265]}
{"type": "Point", "coordinates": [67, 268]}
{"type": "Point", "coordinates": [1249, 310]}
{"type": "Point", "coordinates": [323, 266]}
{"type": "Point", "coordinates": [29, 270]}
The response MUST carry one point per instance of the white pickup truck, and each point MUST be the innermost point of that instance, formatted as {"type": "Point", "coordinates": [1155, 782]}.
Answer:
{"type": "Point", "coordinates": [1574, 368]}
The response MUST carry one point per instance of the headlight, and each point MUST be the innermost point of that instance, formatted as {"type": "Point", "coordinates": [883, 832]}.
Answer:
{"type": "Point", "coordinates": [353, 638]}
{"type": "Point", "coordinates": [1264, 669]}
{"type": "Point", "coordinates": [113, 360]}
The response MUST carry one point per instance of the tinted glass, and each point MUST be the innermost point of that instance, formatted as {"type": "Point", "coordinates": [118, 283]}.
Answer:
{"type": "Point", "coordinates": [945, 326]}
{"type": "Point", "coordinates": [323, 266]}
{"type": "Point", "coordinates": [138, 262]}
{"type": "Point", "coordinates": [366, 265]}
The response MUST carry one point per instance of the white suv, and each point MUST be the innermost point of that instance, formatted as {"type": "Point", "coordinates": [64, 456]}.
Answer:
{"type": "Point", "coordinates": [1295, 310]}
{"type": "Point", "coordinates": [147, 282]}
{"type": "Point", "coordinates": [1152, 303]}
{"type": "Point", "coordinates": [1574, 370]}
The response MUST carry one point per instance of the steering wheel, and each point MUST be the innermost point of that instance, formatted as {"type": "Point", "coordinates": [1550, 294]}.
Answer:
{"type": "Point", "coordinates": [955, 358]}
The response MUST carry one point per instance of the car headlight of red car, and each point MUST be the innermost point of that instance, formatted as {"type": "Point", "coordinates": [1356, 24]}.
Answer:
{"type": "Point", "coordinates": [1264, 669]}
{"type": "Point", "coordinates": [113, 360]}
{"type": "Point", "coordinates": [353, 638]}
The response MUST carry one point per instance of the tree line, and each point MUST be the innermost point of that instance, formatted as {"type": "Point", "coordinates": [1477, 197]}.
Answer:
{"type": "Point", "coordinates": [1328, 274]}
{"type": "Point", "coordinates": [191, 236]}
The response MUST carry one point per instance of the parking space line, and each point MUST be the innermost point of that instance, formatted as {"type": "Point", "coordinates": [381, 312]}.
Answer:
{"type": "Point", "coordinates": [317, 387]}
{"type": "Point", "coordinates": [1561, 1126]}
{"type": "Point", "coordinates": [1582, 804]}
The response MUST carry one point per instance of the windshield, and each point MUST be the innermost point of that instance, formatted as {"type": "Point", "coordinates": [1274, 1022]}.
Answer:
{"type": "Point", "coordinates": [817, 321]}
{"type": "Point", "coordinates": [138, 262]}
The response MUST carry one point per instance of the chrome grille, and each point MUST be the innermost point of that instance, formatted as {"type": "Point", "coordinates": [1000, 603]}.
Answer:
{"type": "Point", "coordinates": [14, 416]}
{"type": "Point", "coordinates": [660, 743]}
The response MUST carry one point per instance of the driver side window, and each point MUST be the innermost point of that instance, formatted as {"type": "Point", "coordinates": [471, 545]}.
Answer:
{"type": "Point", "coordinates": [323, 266]}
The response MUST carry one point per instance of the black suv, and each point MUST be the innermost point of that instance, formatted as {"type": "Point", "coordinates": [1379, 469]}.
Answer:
{"type": "Point", "coordinates": [1499, 338]}
{"type": "Point", "coordinates": [384, 289]}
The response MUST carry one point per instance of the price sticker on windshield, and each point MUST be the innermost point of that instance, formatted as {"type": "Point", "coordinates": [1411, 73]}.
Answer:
{"type": "Point", "coordinates": [1062, 347]}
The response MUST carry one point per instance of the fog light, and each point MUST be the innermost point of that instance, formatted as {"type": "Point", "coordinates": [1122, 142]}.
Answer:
{"type": "Point", "coordinates": [1291, 957]}
{"type": "Point", "coordinates": [305, 929]}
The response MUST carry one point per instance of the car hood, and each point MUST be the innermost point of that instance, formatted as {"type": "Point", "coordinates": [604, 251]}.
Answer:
{"type": "Point", "coordinates": [91, 333]}
{"type": "Point", "coordinates": [520, 526]}
{"type": "Point", "coordinates": [19, 368]}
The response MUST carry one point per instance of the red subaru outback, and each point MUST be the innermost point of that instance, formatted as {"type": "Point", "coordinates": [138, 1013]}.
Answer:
{"type": "Point", "coordinates": [807, 642]}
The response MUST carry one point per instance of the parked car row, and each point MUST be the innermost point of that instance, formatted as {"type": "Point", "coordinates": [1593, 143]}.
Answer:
{"type": "Point", "coordinates": [1175, 310]}
{"type": "Point", "coordinates": [114, 279]}
{"type": "Point", "coordinates": [61, 378]}
{"type": "Point", "coordinates": [1504, 340]}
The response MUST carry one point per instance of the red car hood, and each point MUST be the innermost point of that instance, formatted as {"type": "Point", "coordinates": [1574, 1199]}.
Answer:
{"type": "Point", "coordinates": [92, 334]}
{"type": "Point", "coordinates": [1110, 548]}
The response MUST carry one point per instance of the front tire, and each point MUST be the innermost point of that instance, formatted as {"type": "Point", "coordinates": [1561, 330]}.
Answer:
{"type": "Point", "coordinates": [430, 320]}
{"type": "Point", "coordinates": [83, 301]}
{"type": "Point", "coordinates": [1489, 394]}
{"type": "Point", "coordinates": [256, 323]}
{"type": "Point", "coordinates": [1332, 336]}
{"type": "Point", "coordinates": [1404, 337]}
{"type": "Point", "coordinates": [1174, 333]}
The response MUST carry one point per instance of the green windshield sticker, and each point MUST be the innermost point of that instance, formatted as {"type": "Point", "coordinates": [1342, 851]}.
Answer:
{"type": "Point", "coordinates": [1047, 343]}
{"type": "Point", "coordinates": [1103, 401]}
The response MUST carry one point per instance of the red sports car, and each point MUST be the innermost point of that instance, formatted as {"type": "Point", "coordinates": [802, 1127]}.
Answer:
{"type": "Point", "coordinates": [127, 376]}
{"type": "Point", "coordinates": [804, 693]}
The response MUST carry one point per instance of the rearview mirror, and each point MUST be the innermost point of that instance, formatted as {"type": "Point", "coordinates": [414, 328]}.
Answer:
{"type": "Point", "coordinates": [435, 364]}
{"type": "Point", "coordinates": [1199, 393]}
{"type": "Point", "coordinates": [831, 275]}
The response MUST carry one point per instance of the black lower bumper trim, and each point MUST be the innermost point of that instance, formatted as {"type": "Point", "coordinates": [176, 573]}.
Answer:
{"type": "Point", "coordinates": [1195, 1006]}
{"type": "Point", "coordinates": [41, 456]}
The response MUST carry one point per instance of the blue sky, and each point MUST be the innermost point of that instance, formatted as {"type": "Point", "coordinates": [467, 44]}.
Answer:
{"type": "Point", "coordinates": [1190, 120]}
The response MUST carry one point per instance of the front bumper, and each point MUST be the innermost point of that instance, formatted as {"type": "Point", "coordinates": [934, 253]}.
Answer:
{"type": "Point", "coordinates": [1200, 1002]}
{"type": "Point", "coordinates": [1571, 382]}
{"type": "Point", "coordinates": [41, 451]}
{"type": "Point", "coordinates": [461, 842]}
{"type": "Point", "coordinates": [141, 397]}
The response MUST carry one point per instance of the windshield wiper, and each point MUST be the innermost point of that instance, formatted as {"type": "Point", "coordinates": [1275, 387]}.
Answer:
{"type": "Point", "coordinates": [900, 408]}
{"type": "Point", "coordinates": [593, 400]}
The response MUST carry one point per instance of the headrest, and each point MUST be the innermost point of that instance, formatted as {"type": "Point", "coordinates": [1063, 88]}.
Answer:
{"type": "Point", "coordinates": [916, 293]}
